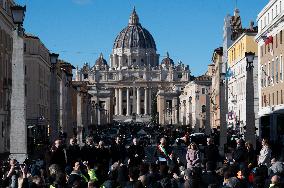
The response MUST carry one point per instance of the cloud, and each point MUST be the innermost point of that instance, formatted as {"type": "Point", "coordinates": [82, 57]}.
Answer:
{"type": "Point", "coordinates": [82, 2]}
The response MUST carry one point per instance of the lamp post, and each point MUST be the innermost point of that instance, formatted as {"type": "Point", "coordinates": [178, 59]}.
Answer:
{"type": "Point", "coordinates": [250, 115]}
{"type": "Point", "coordinates": [18, 132]}
{"type": "Point", "coordinates": [190, 111]}
{"type": "Point", "coordinates": [54, 130]}
{"type": "Point", "coordinates": [222, 107]}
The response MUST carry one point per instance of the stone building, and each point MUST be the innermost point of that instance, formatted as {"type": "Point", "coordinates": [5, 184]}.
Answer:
{"type": "Point", "coordinates": [62, 91]}
{"type": "Point", "coordinates": [6, 50]}
{"type": "Point", "coordinates": [195, 103]}
{"type": "Point", "coordinates": [37, 89]}
{"type": "Point", "coordinates": [270, 54]}
{"type": "Point", "coordinates": [128, 85]}
{"type": "Point", "coordinates": [237, 77]}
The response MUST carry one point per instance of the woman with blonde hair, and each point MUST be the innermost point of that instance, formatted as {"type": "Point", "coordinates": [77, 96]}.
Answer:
{"type": "Point", "coordinates": [193, 156]}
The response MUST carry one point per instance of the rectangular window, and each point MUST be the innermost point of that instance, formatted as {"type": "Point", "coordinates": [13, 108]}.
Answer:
{"type": "Point", "coordinates": [281, 97]}
{"type": "Point", "coordinates": [281, 67]}
{"type": "Point", "coordinates": [276, 41]}
{"type": "Point", "coordinates": [26, 90]}
{"type": "Point", "coordinates": [261, 51]}
{"type": "Point", "coordinates": [280, 7]}
{"type": "Point", "coordinates": [277, 98]}
{"type": "Point", "coordinates": [203, 91]}
{"type": "Point", "coordinates": [273, 99]}
{"type": "Point", "coordinates": [269, 100]}
{"type": "Point", "coordinates": [272, 70]}
{"type": "Point", "coordinates": [281, 37]}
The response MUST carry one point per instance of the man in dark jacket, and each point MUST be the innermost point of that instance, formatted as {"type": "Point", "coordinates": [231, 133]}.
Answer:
{"type": "Point", "coordinates": [118, 151]}
{"type": "Point", "coordinates": [73, 152]}
{"type": "Point", "coordinates": [136, 153]}
{"type": "Point", "coordinates": [239, 155]}
{"type": "Point", "coordinates": [89, 151]}
{"type": "Point", "coordinates": [211, 152]}
{"type": "Point", "coordinates": [58, 154]}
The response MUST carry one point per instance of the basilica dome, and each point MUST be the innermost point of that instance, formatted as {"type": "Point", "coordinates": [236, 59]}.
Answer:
{"type": "Point", "coordinates": [134, 35]}
{"type": "Point", "coordinates": [101, 61]}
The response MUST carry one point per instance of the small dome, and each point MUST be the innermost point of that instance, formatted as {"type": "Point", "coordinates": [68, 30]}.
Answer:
{"type": "Point", "coordinates": [101, 61]}
{"type": "Point", "coordinates": [167, 61]}
{"type": "Point", "coordinates": [134, 35]}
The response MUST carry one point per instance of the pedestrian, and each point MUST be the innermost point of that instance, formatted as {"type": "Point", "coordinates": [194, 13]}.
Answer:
{"type": "Point", "coordinates": [58, 154]}
{"type": "Point", "coordinates": [193, 156]}
{"type": "Point", "coordinates": [240, 153]}
{"type": "Point", "coordinates": [250, 155]}
{"type": "Point", "coordinates": [73, 151]}
{"type": "Point", "coordinates": [136, 153]}
{"type": "Point", "coordinates": [89, 151]}
{"type": "Point", "coordinates": [265, 154]}
{"type": "Point", "coordinates": [163, 153]}
{"type": "Point", "coordinates": [211, 153]}
{"type": "Point", "coordinates": [117, 151]}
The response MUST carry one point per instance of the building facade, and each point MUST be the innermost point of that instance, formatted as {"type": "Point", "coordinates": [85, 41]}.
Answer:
{"type": "Point", "coordinates": [195, 103]}
{"type": "Point", "coordinates": [37, 89]}
{"type": "Point", "coordinates": [270, 53]}
{"type": "Point", "coordinates": [6, 50]}
{"type": "Point", "coordinates": [128, 85]}
{"type": "Point", "coordinates": [237, 79]}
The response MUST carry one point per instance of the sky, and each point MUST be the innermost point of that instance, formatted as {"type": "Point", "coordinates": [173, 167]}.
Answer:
{"type": "Point", "coordinates": [190, 30]}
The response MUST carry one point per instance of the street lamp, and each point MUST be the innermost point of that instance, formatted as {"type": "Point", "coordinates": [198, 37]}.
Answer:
{"type": "Point", "coordinates": [249, 58]}
{"type": "Point", "coordinates": [53, 59]}
{"type": "Point", "coordinates": [18, 15]}
{"type": "Point", "coordinates": [250, 114]}
{"type": "Point", "coordinates": [18, 129]}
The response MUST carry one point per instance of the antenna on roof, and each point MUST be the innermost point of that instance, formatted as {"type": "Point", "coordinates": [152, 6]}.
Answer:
{"type": "Point", "coordinates": [236, 4]}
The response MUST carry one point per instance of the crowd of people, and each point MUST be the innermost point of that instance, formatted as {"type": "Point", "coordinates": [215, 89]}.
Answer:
{"type": "Point", "coordinates": [96, 166]}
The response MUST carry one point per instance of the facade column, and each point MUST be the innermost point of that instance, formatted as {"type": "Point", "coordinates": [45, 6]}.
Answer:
{"type": "Point", "coordinates": [128, 103]}
{"type": "Point", "coordinates": [79, 119]}
{"type": "Point", "coordinates": [120, 101]}
{"type": "Point", "coordinates": [138, 101]}
{"type": "Point", "coordinates": [18, 131]}
{"type": "Point", "coordinates": [150, 101]}
{"type": "Point", "coordinates": [146, 101]}
{"type": "Point", "coordinates": [134, 101]}
{"type": "Point", "coordinates": [116, 101]}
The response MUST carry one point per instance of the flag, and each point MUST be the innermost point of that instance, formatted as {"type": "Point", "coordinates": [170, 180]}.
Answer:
{"type": "Point", "coordinates": [268, 40]}
{"type": "Point", "coordinates": [229, 73]}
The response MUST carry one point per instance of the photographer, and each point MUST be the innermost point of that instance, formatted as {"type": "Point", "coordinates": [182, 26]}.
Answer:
{"type": "Point", "coordinates": [11, 178]}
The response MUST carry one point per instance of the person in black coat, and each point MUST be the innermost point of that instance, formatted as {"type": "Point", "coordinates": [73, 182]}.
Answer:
{"type": "Point", "coordinates": [136, 153]}
{"type": "Point", "coordinates": [58, 154]}
{"type": "Point", "coordinates": [239, 155]}
{"type": "Point", "coordinates": [211, 152]}
{"type": "Point", "coordinates": [251, 157]}
{"type": "Point", "coordinates": [73, 152]}
{"type": "Point", "coordinates": [118, 151]}
{"type": "Point", "coordinates": [89, 151]}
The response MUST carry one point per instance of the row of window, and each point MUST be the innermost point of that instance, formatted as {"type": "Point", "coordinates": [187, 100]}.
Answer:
{"type": "Point", "coordinates": [272, 72]}
{"type": "Point", "coordinates": [271, 14]}
{"type": "Point", "coordinates": [277, 39]}
{"type": "Point", "coordinates": [275, 98]}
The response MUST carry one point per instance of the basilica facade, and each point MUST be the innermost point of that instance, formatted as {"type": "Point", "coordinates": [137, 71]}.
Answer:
{"type": "Point", "coordinates": [126, 87]}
